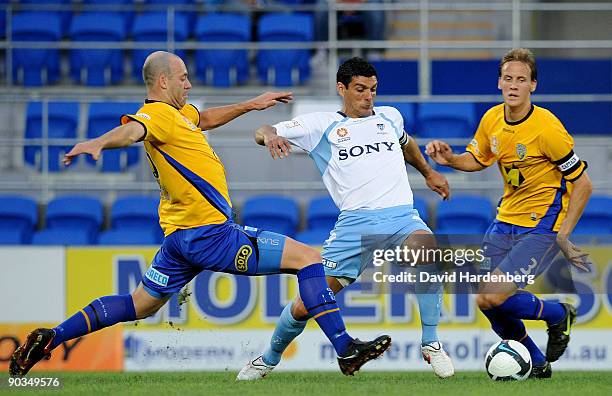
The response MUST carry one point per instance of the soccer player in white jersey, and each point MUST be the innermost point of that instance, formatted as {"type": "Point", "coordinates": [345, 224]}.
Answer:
{"type": "Point", "coordinates": [361, 153]}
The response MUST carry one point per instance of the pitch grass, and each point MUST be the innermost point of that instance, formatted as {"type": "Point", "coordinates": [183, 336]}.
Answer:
{"type": "Point", "coordinates": [313, 384]}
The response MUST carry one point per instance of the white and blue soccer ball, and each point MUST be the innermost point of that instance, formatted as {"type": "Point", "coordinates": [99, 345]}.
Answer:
{"type": "Point", "coordinates": [508, 360]}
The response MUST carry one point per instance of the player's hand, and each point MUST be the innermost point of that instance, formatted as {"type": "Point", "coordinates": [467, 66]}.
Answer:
{"type": "Point", "coordinates": [270, 99]}
{"type": "Point", "coordinates": [574, 255]}
{"type": "Point", "coordinates": [440, 152]}
{"type": "Point", "coordinates": [438, 183]}
{"type": "Point", "coordinates": [89, 147]}
{"type": "Point", "coordinates": [279, 146]}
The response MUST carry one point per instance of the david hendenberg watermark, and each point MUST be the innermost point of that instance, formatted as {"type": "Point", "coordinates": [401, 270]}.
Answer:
{"type": "Point", "coordinates": [452, 277]}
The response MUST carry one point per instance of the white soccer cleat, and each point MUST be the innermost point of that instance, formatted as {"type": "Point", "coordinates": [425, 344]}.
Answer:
{"type": "Point", "coordinates": [441, 363]}
{"type": "Point", "coordinates": [254, 370]}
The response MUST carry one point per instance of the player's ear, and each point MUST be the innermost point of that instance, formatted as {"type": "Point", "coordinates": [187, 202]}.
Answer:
{"type": "Point", "coordinates": [499, 83]}
{"type": "Point", "coordinates": [163, 81]}
{"type": "Point", "coordinates": [534, 84]}
{"type": "Point", "coordinates": [341, 88]}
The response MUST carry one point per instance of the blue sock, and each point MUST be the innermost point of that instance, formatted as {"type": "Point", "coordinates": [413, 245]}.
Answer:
{"type": "Point", "coordinates": [524, 305]}
{"type": "Point", "coordinates": [511, 328]}
{"type": "Point", "coordinates": [320, 302]}
{"type": "Point", "coordinates": [287, 329]}
{"type": "Point", "coordinates": [100, 313]}
{"type": "Point", "coordinates": [429, 297]}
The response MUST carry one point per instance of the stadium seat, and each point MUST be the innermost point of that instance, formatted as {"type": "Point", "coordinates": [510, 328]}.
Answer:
{"type": "Point", "coordinates": [127, 237]}
{"type": "Point", "coordinates": [104, 116]}
{"type": "Point", "coordinates": [36, 66]}
{"type": "Point", "coordinates": [392, 78]}
{"type": "Point", "coordinates": [284, 67]}
{"type": "Point", "coordinates": [63, 123]}
{"type": "Point", "coordinates": [137, 213]}
{"type": "Point", "coordinates": [596, 218]}
{"type": "Point", "coordinates": [97, 67]}
{"type": "Point", "coordinates": [464, 215]}
{"type": "Point", "coordinates": [75, 213]}
{"type": "Point", "coordinates": [62, 236]}
{"type": "Point", "coordinates": [18, 219]}
{"type": "Point", "coordinates": [407, 112]}
{"type": "Point", "coordinates": [222, 67]}
{"type": "Point", "coordinates": [421, 206]}
{"type": "Point", "coordinates": [153, 26]}
{"type": "Point", "coordinates": [322, 213]}
{"type": "Point", "coordinates": [274, 213]}
{"type": "Point", "coordinates": [314, 237]}
{"type": "Point", "coordinates": [445, 120]}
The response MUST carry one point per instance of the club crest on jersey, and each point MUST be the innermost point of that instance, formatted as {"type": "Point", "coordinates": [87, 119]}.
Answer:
{"type": "Point", "coordinates": [241, 261]}
{"type": "Point", "coordinates": [521, 151]}
{"type": "Point", "coordinates": [189, 123]}
{"type": "Point", "coordinates": [494, 144]}
{"type": "Point", "coordinates": [381, 126]}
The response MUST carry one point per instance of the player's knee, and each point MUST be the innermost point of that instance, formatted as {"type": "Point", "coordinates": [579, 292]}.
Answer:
{"type": "Point", "coordinates": [488, 301]}
{"type": "Point", "coordinates": [424, 242]}
{"type": "Point", "coordinates": [309, 256]}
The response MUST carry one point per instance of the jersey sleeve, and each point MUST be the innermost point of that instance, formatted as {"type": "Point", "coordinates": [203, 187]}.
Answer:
{"type": "Point", "coordinates": [157, 123]}
{"type": "Point", "coordinates": [191, 112]}
{"type": "Point", "coordinates": [480, 145]}
{"type": "Point", "coordinates": [397, 120]}
{"type": "Point", "coordinates": [302, 131]}
{"type": "Point", "coordinates": [558, 146]}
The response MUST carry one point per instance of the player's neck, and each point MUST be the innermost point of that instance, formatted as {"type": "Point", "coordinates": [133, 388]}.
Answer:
{"type": "Point", "coordinates": [517, 113]}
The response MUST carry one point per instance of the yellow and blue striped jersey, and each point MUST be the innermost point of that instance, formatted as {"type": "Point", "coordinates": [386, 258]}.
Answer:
{"type": "Point", "coordinates": [536, 157]}
{"type": "Point", "coordinates": [191, 177]}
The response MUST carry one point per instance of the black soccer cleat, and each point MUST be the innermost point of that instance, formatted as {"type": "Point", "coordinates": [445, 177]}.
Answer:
{"type": "Point", "coordinates": [36, 347]}
{"type": "Point", "coordinates": [360, 352]}
{"type": "Point", "coordinates": [541, 372]}
{"type": "Point", "coordinates": [559, 334]}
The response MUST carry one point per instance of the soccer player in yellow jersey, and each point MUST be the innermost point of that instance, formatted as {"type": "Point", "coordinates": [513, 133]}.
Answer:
{"type": "Point", "coordinates": [546, 188]}
{"type": "Point", "coordinates": [195, 214]}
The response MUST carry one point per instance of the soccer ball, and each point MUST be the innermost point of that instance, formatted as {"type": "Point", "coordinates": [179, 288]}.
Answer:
{"type": "Point", "coordinates": [508, 360]}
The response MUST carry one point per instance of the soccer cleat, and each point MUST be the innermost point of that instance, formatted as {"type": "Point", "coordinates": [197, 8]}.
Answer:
{"type": "Point", "coordinates": [441, 363]}
{"type": "Point", "coordinates": [559, 334]}
{"type": "Point", "coordinates": [541, 372]}
{"type": "Point", "coordinates": [360, 352]}
{"type": "Point", "coordinates": [36, 347]}
{"type": "Point", "coordinates": [254, 370]}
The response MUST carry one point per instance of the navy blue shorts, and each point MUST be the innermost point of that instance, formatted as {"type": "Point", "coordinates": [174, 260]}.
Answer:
{"type": "Point", "coordinates": [519, 250]}
{"type": "Point", "coordinates": [226, 247]}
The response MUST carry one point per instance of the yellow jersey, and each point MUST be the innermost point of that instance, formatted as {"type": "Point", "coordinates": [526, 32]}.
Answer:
{"type": "Point", "coordinates": [536, 158]}
{"type": "Point", "coordinates": [191, 178]}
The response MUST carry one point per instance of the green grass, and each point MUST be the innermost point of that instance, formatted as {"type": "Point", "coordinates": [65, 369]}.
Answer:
{"type": "Point", "coordinates": [332, 384]}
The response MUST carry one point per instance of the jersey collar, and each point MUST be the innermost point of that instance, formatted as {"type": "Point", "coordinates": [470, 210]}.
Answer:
{"type": "Point", "coordinates": [519, 121]}
{"type": "Point", "coordinates": [345, 116]}
{"type": "Point", "coordinates": [159, 101]}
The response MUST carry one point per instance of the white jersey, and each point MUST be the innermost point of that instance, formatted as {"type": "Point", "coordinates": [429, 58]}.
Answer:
{"type": "Point", "coordinates": [360, 159]}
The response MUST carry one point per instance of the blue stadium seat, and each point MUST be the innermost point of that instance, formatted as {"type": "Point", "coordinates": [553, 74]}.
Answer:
{"type": "Point", "coordinates": [61, 236]}
{"type": "Point", "coordinates": [284, 67]}
{"type": "Point", "coordinates": [97, 67]}
{"type": "Point", "coordinates": [322, 213]}
{"type": "Point", "coordinates": [464, 215]}
{"type": "Point", "coordinates": [18, 219]}
{"type": "Point", "coordinates": [153, 26]}
{"type": "Point", "coordinates": [314, 237]}
{"type": "Point", "coordinates": [397, 77]}
{"type": "Point", "coordinates": [36, 66]}
{"type": "Point", "coordinates": [137, 213]}
{"type": "Point", "coordinates": [596, 218]}
{"type": "Point", "coordinates": [75, 213]}
{"type": "Point", "coordinates": [421, 206]}
{"type": "Point", "coordinates": [104, 116]}
{"type": "Point", "coordinates": [127, 237]}
{"type": "Point", "coordinates": [407, 110]}
{"type": "Point", "coordinates": [446, 120]}
{"type": "Point", "coordinates": [222, 67]}
{"type": "Point", "coordinates": [63, 124]}
{"type": "Point", "coordinates": [271, 213]}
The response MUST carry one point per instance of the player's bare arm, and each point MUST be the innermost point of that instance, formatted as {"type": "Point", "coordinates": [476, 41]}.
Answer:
{"type": "Point", "coordinates": [443, 155]}
{"type": "Point", "coordinates": [218, 116]}
{"type": "Point", "coordinates": [278, 146]}
{"type": "Point", "coordinates": [435, 181]}
{"type": "Point", "coordinates": [583, 187]}
{"type": "Point", "coordinates": [121, 136]}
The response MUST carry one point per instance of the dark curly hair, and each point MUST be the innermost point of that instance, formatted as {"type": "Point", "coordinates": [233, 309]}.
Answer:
{"type": "Point", "coordinates": [354, 67]}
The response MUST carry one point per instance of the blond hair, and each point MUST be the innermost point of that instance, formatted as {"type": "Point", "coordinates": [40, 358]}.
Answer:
{"type": "Point", "coordinates": [520, 55]}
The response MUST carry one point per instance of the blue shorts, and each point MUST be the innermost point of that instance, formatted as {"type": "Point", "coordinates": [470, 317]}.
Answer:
{"type": "Point", "coordinates": [226, 247]}
{"type": "Point", "coordinates": [342, 252]}
{"type": "Point", "coordinates": [519, 250]}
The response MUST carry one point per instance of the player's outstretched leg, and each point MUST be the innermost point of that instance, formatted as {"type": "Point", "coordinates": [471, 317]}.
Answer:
{"type": "Point", "coordinates": [320, 303]}
{"type": "Point", "coordinates": [100, 313]}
